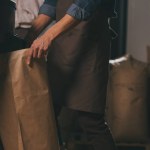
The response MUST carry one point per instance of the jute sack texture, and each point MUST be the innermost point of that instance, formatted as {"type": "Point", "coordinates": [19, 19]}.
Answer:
{"type": "Point", "coordinates": [127, 109]}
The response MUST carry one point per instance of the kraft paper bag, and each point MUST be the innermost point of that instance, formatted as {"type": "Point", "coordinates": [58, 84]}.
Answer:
{"type": "Point", "coordinates": [27, 119]}
{"type": "Point", "coordinates": [128, 100]}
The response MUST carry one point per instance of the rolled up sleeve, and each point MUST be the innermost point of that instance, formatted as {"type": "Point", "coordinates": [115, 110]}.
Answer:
{"type": "Point", "coordinates": [83, 9]}
{"type": "Point", "coordinates": [49, 8]}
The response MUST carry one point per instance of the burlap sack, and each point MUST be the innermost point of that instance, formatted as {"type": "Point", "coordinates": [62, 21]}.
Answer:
{"type": "Point", "coordinates": [127, 112]}
{"type": "Point", "coordinates": [26, 113]}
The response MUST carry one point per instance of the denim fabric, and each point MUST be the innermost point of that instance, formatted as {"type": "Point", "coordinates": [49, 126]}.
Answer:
{"type": "Point", "coordinates": [80, 9]}
{"type": "Point", "coordinates": [48, 10]}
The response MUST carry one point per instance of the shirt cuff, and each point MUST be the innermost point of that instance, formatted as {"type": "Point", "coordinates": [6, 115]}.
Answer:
{"type": "Point", "coordinates": [78, 12]}
{"type": "Point", "coordinates": [48, 10]}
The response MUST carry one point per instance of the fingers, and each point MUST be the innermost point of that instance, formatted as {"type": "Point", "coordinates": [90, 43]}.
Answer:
{"type": "Point", "coordinates": [35, 51]}
{"type": "Point", "coordinates": [35, 48]}
{"type": "Point", "coordinates": [38, 49]}
{"type": "Point", "coordinates": [29, 56]}
{"type": "Point", "coordinates": [41, 50]}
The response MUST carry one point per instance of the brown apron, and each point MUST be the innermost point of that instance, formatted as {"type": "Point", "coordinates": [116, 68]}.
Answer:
{"type": "Point", "coordinates": [78, 62]}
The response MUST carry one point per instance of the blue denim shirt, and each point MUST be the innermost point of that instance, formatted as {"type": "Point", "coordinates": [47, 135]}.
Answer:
{"type": "Point", "coordinates": [79, 9]}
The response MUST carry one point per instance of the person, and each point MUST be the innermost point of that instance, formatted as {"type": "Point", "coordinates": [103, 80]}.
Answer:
{"type": "Point", "coordinates": [26, 12]}
{"type": "Point", "coordinates": [8, 42]}
{"type": "Point", "coordinates": [78, 48]}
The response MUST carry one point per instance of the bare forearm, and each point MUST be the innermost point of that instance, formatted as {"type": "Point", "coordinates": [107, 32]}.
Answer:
{"type": "Point", "coordinates": [40, 46]}
{"type": "Point", "coordinates": [65, 24]}
{"type": "Point", "coordinates": [38, 25]}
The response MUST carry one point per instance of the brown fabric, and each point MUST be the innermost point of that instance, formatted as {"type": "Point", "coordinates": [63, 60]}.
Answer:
{"type": "Point", "coordinates": [127, 106]}
{"type": "Point", "coordinates": [78, 63]}
{"type": "Point", "coordinates": [148, 54]}
{"type": "Point", "coordinates": [26, 113]}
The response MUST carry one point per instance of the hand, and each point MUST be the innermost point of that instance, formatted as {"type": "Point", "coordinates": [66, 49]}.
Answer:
{"type": "Point", "coordinates": [39, 48]}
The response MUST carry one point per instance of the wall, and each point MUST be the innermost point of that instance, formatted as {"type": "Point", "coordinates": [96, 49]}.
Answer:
{"type": "Point", "coordinates": [138, 32]}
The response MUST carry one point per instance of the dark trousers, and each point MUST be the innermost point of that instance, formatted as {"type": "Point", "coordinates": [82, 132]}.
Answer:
{"type": "Point", "coordinates": [21, 32]}
{"type": "Point", "coordinates": [1, 146]}
{"type": "Point", "coordinates": [95, 130]}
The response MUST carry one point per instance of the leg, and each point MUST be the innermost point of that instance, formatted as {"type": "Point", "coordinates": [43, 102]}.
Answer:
{"type": "Point", "coordinates": [96, 131]}
{"type": "Point", "coordinates": [1, 145]}
{"type": "Point", "coordinates": [57, 110]}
